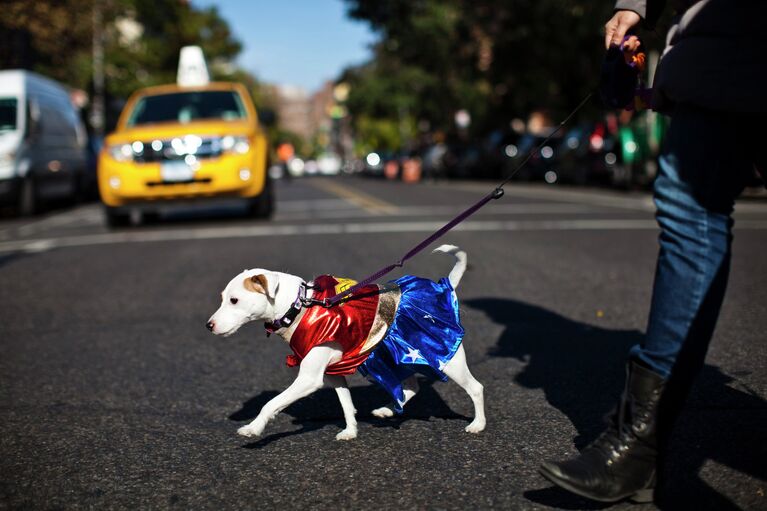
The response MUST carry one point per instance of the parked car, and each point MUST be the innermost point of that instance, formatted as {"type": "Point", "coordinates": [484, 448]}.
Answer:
{"type": "Point", "coordinates": [433, 158]}
{"type": "Point", "coordinates": [329, 164]}
{"type": "Point", "coordinates": [462, 159]}
{"type": "Point", "coordinates": [578, 154]}
{"type": "Point", "coordinates": [542, 164]}
{"type": "Point", "coordinates": [626, 156]}
{"type": "Point", "coordinates": [374, 164]}
{"type": "Point", "coordinates": [42, 142]}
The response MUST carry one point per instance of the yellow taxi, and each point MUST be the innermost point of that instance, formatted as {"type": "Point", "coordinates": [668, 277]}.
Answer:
{"type": "Point", "coordinates": [176, 143]}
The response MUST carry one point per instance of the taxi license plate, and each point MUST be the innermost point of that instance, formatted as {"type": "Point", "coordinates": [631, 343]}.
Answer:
{"type": "Point", "coordinates": [175, 171]}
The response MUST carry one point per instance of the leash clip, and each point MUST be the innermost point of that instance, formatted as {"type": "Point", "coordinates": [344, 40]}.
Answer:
{"type": "Point", "coordinates": [311, 302]}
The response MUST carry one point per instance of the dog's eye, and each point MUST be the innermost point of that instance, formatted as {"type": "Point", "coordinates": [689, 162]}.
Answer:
{"type": "Point", "coordinates": [234, 300]}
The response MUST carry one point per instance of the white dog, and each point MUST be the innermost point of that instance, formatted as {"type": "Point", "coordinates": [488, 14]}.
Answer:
{"type": "Point", "coordinates": [388, 333]}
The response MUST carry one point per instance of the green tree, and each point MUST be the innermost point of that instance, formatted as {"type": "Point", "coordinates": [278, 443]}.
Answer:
{"type": "Point", "coordinates": [497, 59]}
{"type": "Point", "coordinates": [142, 40]}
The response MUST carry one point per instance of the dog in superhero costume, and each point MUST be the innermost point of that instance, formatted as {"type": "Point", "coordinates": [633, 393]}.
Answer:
{"type": "Point", "coordinates": [389, 333]}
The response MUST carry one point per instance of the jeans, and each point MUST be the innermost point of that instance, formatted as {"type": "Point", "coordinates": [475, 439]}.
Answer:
{"type": "Point", "coordinates": [705, 164]}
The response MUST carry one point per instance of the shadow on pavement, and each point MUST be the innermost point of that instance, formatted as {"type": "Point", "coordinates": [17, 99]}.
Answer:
{"type": "Point", "coordinates": [322, 408]}
{"type": "Point", "coordinates": [561, 499]}
{"type": "Point", "coordinates": [720, 424]}
{"type": "Point", "coordinates": [580, 369]}
{"type": "Point", "coordinates": [193, 215]}
{"type": "Point", "coordinates": [7, 258]}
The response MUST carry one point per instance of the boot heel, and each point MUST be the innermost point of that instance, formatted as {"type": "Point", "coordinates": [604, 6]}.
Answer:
{"type": "Point", "coordinates": [643, 496]}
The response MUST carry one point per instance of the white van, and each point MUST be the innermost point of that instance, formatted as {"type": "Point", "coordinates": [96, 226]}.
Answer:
{"type": "Point", "coordinates": [42, 142]}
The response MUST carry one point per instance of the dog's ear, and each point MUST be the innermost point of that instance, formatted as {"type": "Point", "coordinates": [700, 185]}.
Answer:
{"type": "Point", "coordinates": [262, 284]}
{"type": "Point", "coordinates": [257, 284]}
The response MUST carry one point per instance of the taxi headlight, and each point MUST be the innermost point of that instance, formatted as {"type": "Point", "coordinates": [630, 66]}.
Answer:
{"type": "Point", "coordinates": [242, 146]}
{"type": "Point", "coordinates": [239, 145]}
{"type": "Point", "coordinates": [121, 152]}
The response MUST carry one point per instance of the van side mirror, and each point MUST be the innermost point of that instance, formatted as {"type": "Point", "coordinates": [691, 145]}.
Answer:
{"type": "Point", "coordinates": [267, 117]}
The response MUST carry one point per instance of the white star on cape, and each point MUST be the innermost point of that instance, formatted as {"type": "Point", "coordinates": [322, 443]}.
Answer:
{"type": "Point", "coordinates": [413, 355]}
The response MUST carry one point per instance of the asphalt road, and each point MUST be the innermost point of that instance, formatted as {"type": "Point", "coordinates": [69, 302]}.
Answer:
{"type": "Point", "coordinates": [114, 395]}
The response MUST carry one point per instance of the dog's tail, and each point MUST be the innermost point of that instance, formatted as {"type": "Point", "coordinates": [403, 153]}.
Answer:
{"type": "Point", "coordinates": [460, 265]}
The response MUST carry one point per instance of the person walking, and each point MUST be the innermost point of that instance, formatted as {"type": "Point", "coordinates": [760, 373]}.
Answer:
{"type": "Point", "coordinates": [713, 82]}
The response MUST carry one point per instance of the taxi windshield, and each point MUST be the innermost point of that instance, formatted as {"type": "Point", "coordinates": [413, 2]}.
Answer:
{"type": "Point", "coordinates": [187, 107]}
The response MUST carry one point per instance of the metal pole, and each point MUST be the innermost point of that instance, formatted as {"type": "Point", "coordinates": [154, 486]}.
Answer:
{"type": "Point", "coordinates": [97, 107]}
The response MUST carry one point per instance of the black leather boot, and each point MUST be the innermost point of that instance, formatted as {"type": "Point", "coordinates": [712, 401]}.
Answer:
{"type": "Point", "coordinates": [621, 463]}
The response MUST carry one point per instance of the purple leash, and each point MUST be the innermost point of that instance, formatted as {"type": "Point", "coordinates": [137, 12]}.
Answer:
{"type": "Point", "coordinates": [497, 193]}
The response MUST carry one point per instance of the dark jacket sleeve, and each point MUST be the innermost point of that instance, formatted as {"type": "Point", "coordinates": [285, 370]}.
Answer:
{"type": "Point", "coordinates": [638, 6]}
{"type": "Point", "coordinates": [649, 10]}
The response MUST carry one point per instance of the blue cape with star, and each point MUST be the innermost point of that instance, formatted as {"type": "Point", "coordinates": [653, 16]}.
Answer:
{"type": "Point", "coordinates": [424, 336]}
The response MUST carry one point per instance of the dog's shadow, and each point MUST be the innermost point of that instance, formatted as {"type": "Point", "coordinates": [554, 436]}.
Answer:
{"type": "Point", "coordinates": [322, 409]}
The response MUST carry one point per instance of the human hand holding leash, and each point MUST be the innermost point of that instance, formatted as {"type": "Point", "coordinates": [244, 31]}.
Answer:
{"type": "Point", "coordinates": [621, 84]}
{"type": "Point", "coordinates": [617, 27]}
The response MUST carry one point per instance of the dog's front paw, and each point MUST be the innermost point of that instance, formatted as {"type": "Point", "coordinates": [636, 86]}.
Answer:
{"type": "Point", "coordinates": [383, 413]}
{"type": "Point", "coordinates": [476, 426]}
{"type": "Point", "coordinates": [347, 434]}
{"type": "Point", "coordinates": [251, 430]}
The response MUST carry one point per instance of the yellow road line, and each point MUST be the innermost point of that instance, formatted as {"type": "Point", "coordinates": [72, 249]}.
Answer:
{"type": "Point", "coordinates": [360, 199]}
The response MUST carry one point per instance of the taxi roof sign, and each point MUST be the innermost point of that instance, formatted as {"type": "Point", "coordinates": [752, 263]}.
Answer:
{"type": "Point", "coordinates": [192, 70]}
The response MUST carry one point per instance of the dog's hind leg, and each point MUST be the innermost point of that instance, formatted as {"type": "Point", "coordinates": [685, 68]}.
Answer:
{"type": "Point", "coordinates": [409, 388]}
{"type": "Point", "coordinates": [458, 371]}
{"type": "Point", "coordinates": [345, 397]}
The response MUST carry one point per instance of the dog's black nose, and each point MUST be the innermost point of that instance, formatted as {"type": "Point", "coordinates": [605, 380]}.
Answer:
{"type": "Point", "coordinates": [210, 325]}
